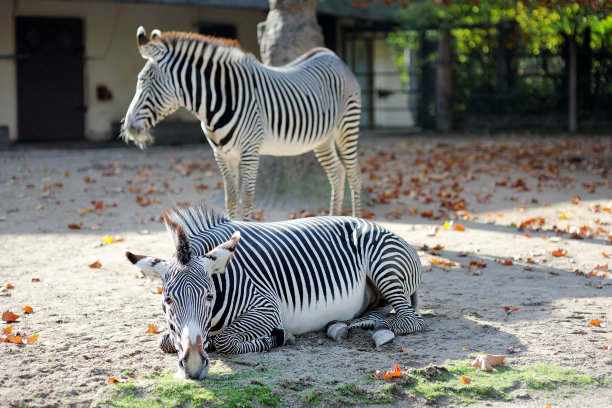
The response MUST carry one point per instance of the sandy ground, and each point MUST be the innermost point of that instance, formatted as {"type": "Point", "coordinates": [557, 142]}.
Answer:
{"type": "Point", "coordinates": [91, 322]}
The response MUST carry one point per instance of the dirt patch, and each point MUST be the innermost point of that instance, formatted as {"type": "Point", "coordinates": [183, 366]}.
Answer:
{"type": "Point", "coordinates": [92, 323]}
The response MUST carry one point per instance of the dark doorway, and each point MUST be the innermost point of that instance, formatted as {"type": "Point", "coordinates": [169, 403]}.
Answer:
{"type": "Point", "coordinates": [50, 102]}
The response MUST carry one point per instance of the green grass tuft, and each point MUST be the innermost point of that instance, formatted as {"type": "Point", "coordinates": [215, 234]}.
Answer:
{"type": "Point", "coordinates": [218, 390]}
{"type": "Point", "coordinates": [437, 382]}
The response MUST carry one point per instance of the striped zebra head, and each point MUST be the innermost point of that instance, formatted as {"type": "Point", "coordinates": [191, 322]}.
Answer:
{"type": "Point", "coordinates": [188, 297]}
{"type": "Point", "coordinates": [156, 95]}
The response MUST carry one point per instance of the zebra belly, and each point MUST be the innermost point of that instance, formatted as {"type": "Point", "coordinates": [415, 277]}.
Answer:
{"type": "Point", "coordinates": [315, 316]}
{"type": "Point", "coordinates": [282, 146]}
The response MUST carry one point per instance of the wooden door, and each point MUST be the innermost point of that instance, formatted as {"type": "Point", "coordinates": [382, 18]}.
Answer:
{"type": "Point", "coordinates": [50, 88]}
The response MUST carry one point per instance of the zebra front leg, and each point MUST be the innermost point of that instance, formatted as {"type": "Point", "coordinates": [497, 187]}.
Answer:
{"type": "Point", "coordinates": [165, 343]}
{"type": "Point", "coordinates": [255, 330]}
{"type": "Point", "coordinates": [229, 171]}
{"type": "Point", "coordinates": [249, 164]}
{"type": "Point", "coordinates": [328, 157]}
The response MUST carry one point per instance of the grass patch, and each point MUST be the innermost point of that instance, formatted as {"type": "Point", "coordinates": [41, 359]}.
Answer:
{"type": "Point", "coordinates": [437, 382]}
{"type": "Point", "coordinates": [269, 386]}
{"type": "Point", "coordinates": [220, 389]}
{"type": "Point", "coordinates": [262, 387]}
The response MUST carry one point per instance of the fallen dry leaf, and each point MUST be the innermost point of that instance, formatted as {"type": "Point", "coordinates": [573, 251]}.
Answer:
{"type": "Point", "coordinates": [75, 226]}
{"type": "Point", "coordinates": [405, 350]}
{"type": "Point", "coordinates": [465, 380]}
{"type": "Point", "coordinates": [488, 361]}
{"type": "Point", "coordinates": [7, 329]}
{"type": "Point", "coordinates": [27, 309]}
{"type": "Point", "coordinates": [96, 265]}
{"type": "Point", "coordinates": [458, 227]}
{"type": "Point", "coordinates": [9, 316]}
{"type": "Point", "coordinates": [112, 380]}
{"type": "Point", "coordinates": [397, 373]}
{"type": "Point", "coordinates": [559, 252]}
{"type": "Point", "coordinates": [35, 279]}
{"type": "Point", "coordinates": [152, 329]}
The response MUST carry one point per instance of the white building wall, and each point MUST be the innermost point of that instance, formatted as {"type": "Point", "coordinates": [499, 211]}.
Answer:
{"type": "Point", "coordinates": [390, 111]}
{"type": "Point", "coordinates": [111, 54]}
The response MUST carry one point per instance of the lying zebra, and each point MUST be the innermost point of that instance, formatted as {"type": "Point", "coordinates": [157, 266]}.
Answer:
{"type": "Point", "coordinates": [286, 278]}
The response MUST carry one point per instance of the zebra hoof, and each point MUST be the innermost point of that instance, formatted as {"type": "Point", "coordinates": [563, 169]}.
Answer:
{"type": "Point", "coordinates": [382, 336]}
{"type": "Point", "coordinates": [164, 342]}
{"type": "Point", "coordinates": [337, 331]}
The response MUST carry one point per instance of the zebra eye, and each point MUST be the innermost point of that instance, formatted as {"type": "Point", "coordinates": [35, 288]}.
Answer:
{"type": "Point", "coordinates": [209, 297]}
{"type": "Point", "coordinates": [168, 300]}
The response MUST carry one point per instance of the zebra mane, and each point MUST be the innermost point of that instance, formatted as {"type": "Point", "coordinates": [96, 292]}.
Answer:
{"type": "Point", "coordinates": [172, 38]}
{"type": "Point", "coordinates": [183, 222]}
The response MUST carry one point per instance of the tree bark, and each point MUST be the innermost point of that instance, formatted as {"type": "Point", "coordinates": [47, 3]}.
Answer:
{"type": "Point", "coordinates": [444, 83]}
{"type": "Point", "coordinates": [290, 30]}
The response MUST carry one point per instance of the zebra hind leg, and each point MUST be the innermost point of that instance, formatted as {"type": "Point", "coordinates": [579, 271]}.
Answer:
{"type": "Point", "coordinates": [328, 157]}
{"type": "Point", "coordinates": [373, 319]}
{"type": "Point", "coordinates": [348, 148]}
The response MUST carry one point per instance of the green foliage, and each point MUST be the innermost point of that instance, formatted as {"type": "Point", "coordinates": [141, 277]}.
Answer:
{"type": "Point", "coordinates": [508, 55]}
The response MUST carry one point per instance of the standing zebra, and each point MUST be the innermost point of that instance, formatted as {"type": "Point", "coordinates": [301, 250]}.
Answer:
{"type": "Point", "coordinates": [286, 278]}
{"type": "Point", "coordinates": [248, 109]}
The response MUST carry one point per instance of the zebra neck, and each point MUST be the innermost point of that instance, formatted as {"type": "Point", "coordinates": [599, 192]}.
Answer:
{"type": "Point", "coordinates": [210, 80]}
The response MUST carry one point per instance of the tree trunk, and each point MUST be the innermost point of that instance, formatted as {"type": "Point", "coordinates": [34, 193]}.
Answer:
{"type": "Point", "coordinates": [444, 83]}
{"type": "Point", "coordinates": [290, 30]}
{"type": "Point", "coordinates": [573, 95]}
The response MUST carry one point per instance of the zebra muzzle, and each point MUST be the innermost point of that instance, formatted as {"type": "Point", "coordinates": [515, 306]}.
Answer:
{"type": "Point", "coordinates": [194, 361]}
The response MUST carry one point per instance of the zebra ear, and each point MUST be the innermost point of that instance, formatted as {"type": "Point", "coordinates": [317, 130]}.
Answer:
{"type": "Point", "coordinates": [153, 268]}
{"type": "Point", "coordinates": [221, 255]}
{"type": "Point", "coordinates": [150, 48]}
{"type": "Point", "coordinates": [155, 34]}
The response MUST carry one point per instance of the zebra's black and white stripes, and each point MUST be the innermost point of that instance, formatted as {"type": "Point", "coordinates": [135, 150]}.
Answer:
{"type": "Point", "coordinates": [248, 109]}
{"type": "Point", "coordinates": [284, 278]}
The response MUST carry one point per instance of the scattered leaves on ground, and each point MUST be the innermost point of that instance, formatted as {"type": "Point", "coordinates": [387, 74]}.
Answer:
{"type": "Point", "coordinates": [9, 316]}
{"type": "Point", "coordinates": [488, 361]}
{"type": "Point", "coordinates": [152, 329]}
{"type": "Point", "coordinates": [96, 265]}
{"type": "Point", "coordinates": [559, 252]}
